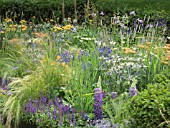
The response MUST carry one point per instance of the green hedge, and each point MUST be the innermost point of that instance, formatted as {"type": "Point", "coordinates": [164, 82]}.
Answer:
{"type": "Point", "coordinates": [52, 8]}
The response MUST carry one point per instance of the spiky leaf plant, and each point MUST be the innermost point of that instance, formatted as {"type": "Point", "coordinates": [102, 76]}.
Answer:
{"type": "Point", "coordinates": [46, 79]}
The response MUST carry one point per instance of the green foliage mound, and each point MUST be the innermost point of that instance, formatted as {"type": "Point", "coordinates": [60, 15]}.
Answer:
{"type": "Point", "coordinates": [151, 107]}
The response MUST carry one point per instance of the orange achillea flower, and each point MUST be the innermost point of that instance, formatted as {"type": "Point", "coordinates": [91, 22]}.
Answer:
{"type": "Point", "coordinates": [24, 29]}
{"type": "Point", "coordinates": [58, 58]}
{"type": "Point", "coordinates": [168, 58]}
{"type": "Point", "coordinates": [43, 61]}
{"type": "Point", "coordinates": [52, 63]}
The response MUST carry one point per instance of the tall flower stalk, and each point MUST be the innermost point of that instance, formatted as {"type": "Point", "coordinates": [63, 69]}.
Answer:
{"type": "Point", "coordinates": [98, 103]}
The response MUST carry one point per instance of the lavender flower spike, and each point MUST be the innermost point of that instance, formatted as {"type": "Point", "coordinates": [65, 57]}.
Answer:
{"type": "Point", "coordinates": [98, 103]}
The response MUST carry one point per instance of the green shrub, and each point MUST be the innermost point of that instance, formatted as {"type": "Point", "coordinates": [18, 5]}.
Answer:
{"type": "Point", "coordinates": [151, 107]}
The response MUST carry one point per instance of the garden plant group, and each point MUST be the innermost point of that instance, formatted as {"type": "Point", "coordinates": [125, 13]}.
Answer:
{"type": "Point", "coordinates": [88, 69]}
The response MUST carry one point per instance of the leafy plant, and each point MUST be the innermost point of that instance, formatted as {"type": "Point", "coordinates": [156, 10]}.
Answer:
{"type": "Point", "coordinates": [150, 108]}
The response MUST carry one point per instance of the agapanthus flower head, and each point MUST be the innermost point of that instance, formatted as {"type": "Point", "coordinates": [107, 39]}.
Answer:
{"type": "Point", "coordinates": [133, 91]}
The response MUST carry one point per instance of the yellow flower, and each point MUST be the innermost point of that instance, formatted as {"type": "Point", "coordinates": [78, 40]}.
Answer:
{"type": "Point", "coordinates": [58, 58]}
{"type": "Point", "coordinates": [22, 21]}
{"type": "Point", "coordinates": [64, 64]}
{"type": "Point", "coordinates": [90, 21]}
{"type": "Point", "coordinates": [33, 17]}
{"type": "Point", "coordinates": [51, 20]}
{"type": "Point", "coordinates": [24, 29]}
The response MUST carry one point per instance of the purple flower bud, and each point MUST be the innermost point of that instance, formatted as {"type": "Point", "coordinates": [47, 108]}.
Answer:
{"type": "Point", "coordinates": [49, 115]}
{"type": "Point", "coordinates": [102, 13]}
{"type": "Point", "coordinates": [15, 67]}
{"type": "Point", "coordinates": [132, 13]}
{"type": "Point", "coordinates": [98, 103]}
{"type": "Point", "coordinates": [9, 93]}
{"type": "Point", "coordinates": [104, 94]}
{"type": "Point", "coordinates": [113, 95]}
{"type": "Point", "coordinates": [109, 50]}
{"type": "Point", "coordinates": [140, 21]}
{"type": "Point", "coordinates": [133, 91]}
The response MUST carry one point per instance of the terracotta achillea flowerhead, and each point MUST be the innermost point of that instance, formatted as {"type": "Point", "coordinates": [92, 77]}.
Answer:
{"type": "Point", "coordinates": [43, 61]}
{"type": "Point", "coordinates": [168, 58]}
{"type": "Point", "coordinates": [52, 63]}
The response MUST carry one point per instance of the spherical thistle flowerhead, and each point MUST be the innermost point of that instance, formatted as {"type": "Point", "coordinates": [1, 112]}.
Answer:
{"type": "Point", "coordinates": [98, 103]}
{"type": "Point", "coordinates": [133, 91]}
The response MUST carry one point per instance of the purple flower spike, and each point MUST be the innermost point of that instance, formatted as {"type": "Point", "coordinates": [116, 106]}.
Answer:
{"type": "Point", "coordinates": [73, 112]}
{"type": "Point", "coordinates": [69, 119]}
{"type": "Point", "coordinates": [49, 115]}
{"type": "Point", "coordinates": [55, 113]}
{"type": "Point", "coordinates": [56, 101]}
{"type": "Point", "coordinates": [133, 91]}
{"type": "Point", "coordinates": [98, 103]}
{"type": "Point", "coordinates": [113, 95]}
{"type": "Point", "coordinates": [50, 103]}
